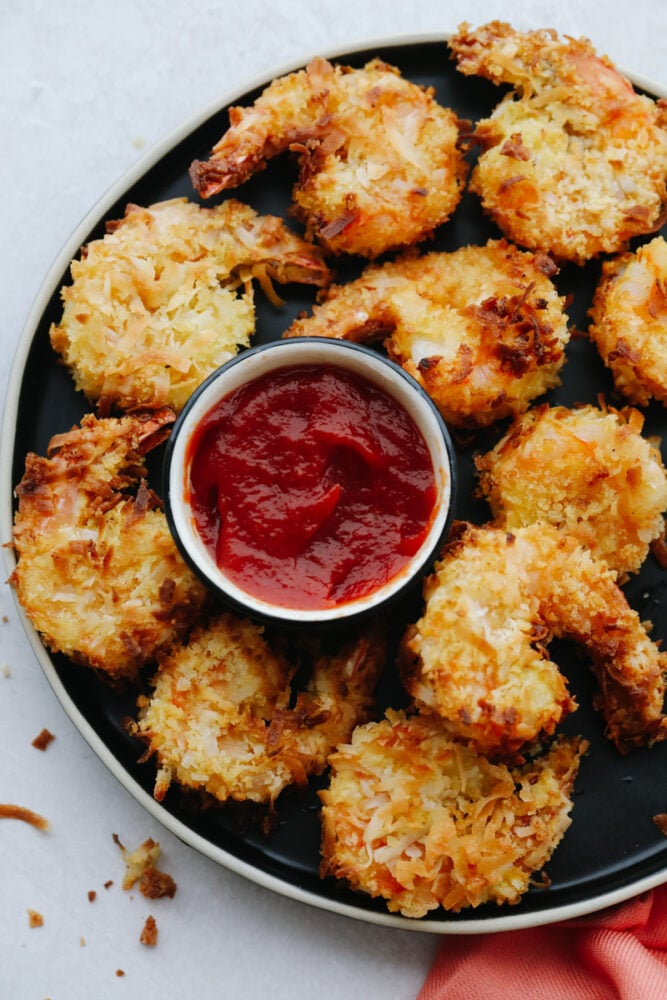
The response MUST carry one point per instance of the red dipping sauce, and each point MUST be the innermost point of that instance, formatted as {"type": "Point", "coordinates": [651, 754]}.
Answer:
{"type": "Point", "coordinates": [310, 486]}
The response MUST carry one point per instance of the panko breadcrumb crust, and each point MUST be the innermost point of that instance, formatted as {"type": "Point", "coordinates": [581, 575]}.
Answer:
{"type": "Point", "coordinates": [380, 161]}
{"type": "Point", "coordinates": [98, 572]}
{"type": "Point", "coordinates": [166, 297]}
{"type": "Point", "coordinates": [478, 655]}
{"type": "Point", "coordinates": [629, 321]}
{"type": "Point", "coordinates": [573, 160]}
{"type": "Point", "coordinates": [589, 472]}
{"type": "Point", "coordinates": [222, 717]}
{"type": "Point", "coordinates": [482, 329]}
{"type": "Point", "coordinates": [425, 822]}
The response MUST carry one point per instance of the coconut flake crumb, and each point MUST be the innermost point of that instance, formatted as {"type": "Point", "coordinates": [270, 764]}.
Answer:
{"type": "Point", "coordinates": [149, 932]}
{"type": "Point", "coordinates": [10, 811]}
{"type": "Point", "coordinates": [141, 869]}
{"type": "Point", "coordinates": [42, 741]}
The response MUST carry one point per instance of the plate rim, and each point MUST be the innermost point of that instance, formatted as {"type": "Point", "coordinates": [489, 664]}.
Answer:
{"type": "Point", "coordinates": [49, 285]}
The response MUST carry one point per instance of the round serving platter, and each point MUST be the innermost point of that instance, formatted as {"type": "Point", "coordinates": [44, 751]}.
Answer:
{"type": "Point", "coordinates": [613, 849]}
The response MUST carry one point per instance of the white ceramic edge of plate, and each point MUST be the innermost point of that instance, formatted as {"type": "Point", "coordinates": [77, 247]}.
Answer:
{"type": "Point", "coordinates": [505, 922]}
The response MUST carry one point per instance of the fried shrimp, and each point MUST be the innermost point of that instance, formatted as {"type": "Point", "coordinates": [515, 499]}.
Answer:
{"type": "Point", "coordinates": [477, 656]}
{"type": "Point", "coordinates": [573, 160]}
{"type": "Point", "coordinates": [483, 328]}
{"type": "Point", "coordinates": [629, 325]}
{"type": "Point", "coordinates": [379, 160]}
{"type": "Point", "coordinates": [98, 572]}
{"type": "Point", "coordinates": [587, 471]}
{"type": "Point", "coordinates": [219, 718]}
{"type": "Point", "coordinates": [166, 297]}
{"type": "Point", "coordinates": [422, 821]}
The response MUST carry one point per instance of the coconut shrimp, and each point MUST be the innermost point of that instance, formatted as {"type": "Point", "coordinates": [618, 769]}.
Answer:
{"type": "Point", "coordinates": [573, 160]}
{"type": "Point", "coordinates": [424, 822]}
{"type": "Point", "coordinates": [166, 297]}
{"type": "Point", "coordinates": [589, 472]}
{"type": "Point", "coordinates": [629, 325]}
{"type": "Point", "coordinates": [97, 571]}
{"type": "Point", "coordinates": [219, 719]}
{"type": "Point", "coordinates": [379, 160]}
{"type": "Point", "coordinates": [483, 328]}
{"type": "Point", "coordinates": [478, 654]}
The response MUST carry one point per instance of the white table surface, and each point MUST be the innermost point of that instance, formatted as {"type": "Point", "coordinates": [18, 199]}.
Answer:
{"type": "Point", "coordinates": [86, 87]}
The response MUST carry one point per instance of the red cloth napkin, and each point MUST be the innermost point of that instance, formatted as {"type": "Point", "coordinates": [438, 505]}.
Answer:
{"type": "Point", "coordinates": [617, 954]}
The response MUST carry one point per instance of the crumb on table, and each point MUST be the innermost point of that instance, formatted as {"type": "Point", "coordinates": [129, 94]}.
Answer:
{"type": "Point", "coordinates": [10, 811]}
{"type": "Point", "coordinates": [42, 741]}
{"type": "Point", "coordinates": [149, 932]}
{"type": "Point", "coordinates": [141, 867]}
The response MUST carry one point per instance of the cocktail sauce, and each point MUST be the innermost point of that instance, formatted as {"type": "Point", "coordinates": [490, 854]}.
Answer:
{"type": "Point", "coordinates": [311, 486]}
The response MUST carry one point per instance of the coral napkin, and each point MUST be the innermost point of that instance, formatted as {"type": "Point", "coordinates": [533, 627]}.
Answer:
{"type": "Point", "coordinates": [617, 954]}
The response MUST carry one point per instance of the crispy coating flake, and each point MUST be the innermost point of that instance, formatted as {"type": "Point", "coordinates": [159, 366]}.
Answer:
{"type": "Point", "coordinates": [423, 822]}
{"type": "Point", "coordinates": [10, 811]}
{"type": "Point", "coordinates": [574, 161]}
{"type": "Point", "coordinates": [98, 572]}
{"type": "Point", "coordinates": [629, 327]}
{"type": "Point", "coordinates": [587, 471]}
{"type": "Point", "coordinates": [219, 718]}
{"type": "Point", "coordinates": [477, 656]}
{"type": "Point", "coordinates": [483, 328]}
{"type": "Point", "coordinates": [166, 297]}
{"type": "Point", "coordinates": [380, 163]}
{"type": "Point", "coordinates": [141, 867]}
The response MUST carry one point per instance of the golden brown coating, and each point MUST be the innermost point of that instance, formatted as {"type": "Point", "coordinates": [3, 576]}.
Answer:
{"type": "Point", "coordinates": [379, 159]}
{"type": "Point", "coordinates": [219, 718]}
{"type": "Point", "coordinates": [573, 160]}
{"type": "Point", "coordinates": [425, 822]}
{"type": "Point", "coordinates": [587, 471]}
{"type": "Point", "coordinates": [166, 297]}
{"type": "Point", "coordinates": [98, 572]}
{"type": "Point", "coordinates": [629, 325]}
{"type": "Point", "coordinates": [483, 328]}
{"type": "Point", "coordinates": [478, 654]}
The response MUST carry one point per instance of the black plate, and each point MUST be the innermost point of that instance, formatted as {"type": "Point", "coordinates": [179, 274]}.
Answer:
{"type": "Point", "coordinates": [613, 848]}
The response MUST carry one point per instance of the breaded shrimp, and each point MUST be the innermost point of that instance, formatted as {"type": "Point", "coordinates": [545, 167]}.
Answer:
{"type": "Point", "coordinates": [483, 329]}
{"type": "Point", "coordinates": [422, 821]}
{"type": "Point", "coordinates": [166, 297]}
{"type": "Point", "coordinates": [587, 471]}
{"type": "Point", "coordinates": [574, 161]}
{"type": "Point", "coordinates": [98, 572]}
{"type": "Point", "coordinates": [219, 718]}
{"type": "Point", "coordinates": [629, 325]}
{"type": "Point", "coordinates": [380, 165]}
{"type": "Point", "coordinates": [478, 658]}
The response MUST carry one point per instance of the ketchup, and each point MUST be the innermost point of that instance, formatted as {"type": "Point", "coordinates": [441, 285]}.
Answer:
{"type": "Point", "coordinates": [310, 486]}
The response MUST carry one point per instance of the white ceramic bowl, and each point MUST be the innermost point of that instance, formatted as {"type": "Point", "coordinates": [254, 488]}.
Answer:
{"type": "Point", "coordinates": [258, 362]}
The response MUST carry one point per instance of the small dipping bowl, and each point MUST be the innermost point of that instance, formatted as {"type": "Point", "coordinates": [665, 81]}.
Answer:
{"type": "Point", "coordinates": [262, 363]}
